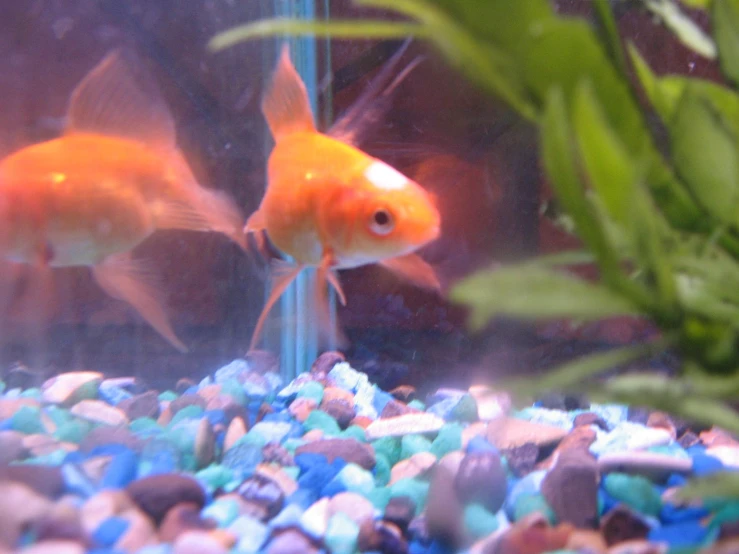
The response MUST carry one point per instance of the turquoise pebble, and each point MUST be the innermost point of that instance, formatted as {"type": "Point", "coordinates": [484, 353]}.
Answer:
{"type": "Point", "coordinates": [321, 420]}
{"type": "Point", "coordinates": [382, 470]}
{"type": "Point", "coordinates": [215, 475]}
{"type": "Point", "coordinates": [379, 497]}
{"type": "Point", "coordinates": [356, 479]}
{"type": "Point", "coordinates": [413, 444]}
{"type": "Point", "coordinates": [291, 445]}
{"type": "Point", "coordinates": [167, 396]}
{"type": "Point", "coordinates": [728, 513]}
{"type": "Point", "coordinates": [529, 503]}
{"type": "Point", "coordinates": [51, 459]}
{"type": "Point", "coordinates": [188, 412]}
{"type": "Point", "coordinates": [312, 390]}
{"type": "Point", "coordinates": [59, 416]}
{"type": "Point", "coordinates": [253, 437]}
{"type": "Point", "coordinates": [478, 521]}
{"type": "Point", "coordinates": [354, 432]}
{"type": "Point", "coordinates": [635, 491]}
{"type": "Point", "coordinates": [447, 440]}
{"type": "Point", "coordinates": [341, 534]}
{"type": "Point", "coordinates": [222, 511]}
{"type": "Point", "coordinates": [2, 387]}
{"type": "Point", "coordinates": [417, 405]}
{"type": "Point", "coordinates": [72, 431]}
{"type": "Point", "coordinates": [144, 425]}
{"type": "Point", "coordinates": [33, 393]}
{"type": "Point", "coordinates": [415, 489]}
{"type": "Point", "coordinates": [388, 447]}
{"type": "Point", "coordinates": [27, 420]}
{"type": "Point", "coordinates": [234, 389]}
{"type": "Point", "coordinates": [465, 410]}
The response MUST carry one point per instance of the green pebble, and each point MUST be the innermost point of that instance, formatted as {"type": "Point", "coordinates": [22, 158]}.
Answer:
{"type": "Point", "coordinates": [381, 470]}
{"type": "Point", "coordinates": [356, 479]}
{"type": "Point", "coordinates": [235, 390]}
{"type": "Point", "coordinates": [143, 424]}
{"type": "Point", "coordinates": [253, 437]}
{"type": "Point", "coordinates": [188, 412]}
{"type": "Point", "coordinates": [72, 431]}
{"type": "Point", "coordinates": [291, 445]}
{"type": "Point", "coordinates": [529, 503]}
{"type": "Point", "coordinates": [312, 390]}
{"type": "Point", "coordinates": [415, 489]}
{"type": "Point", "coordinates": [167, 396]}
{"type": "Point", "coordinates": [417, 404]}
{"type": "Point", "coordinates": [318, 419]}
{"type": "Point", "coordinates": [2, 387]}
{"type": "Point", "coordinates": [635, 491]}
{"type": "Point", "coordinates": [447, 440]}
{"type": "Point", "coordinates": [728, 513]}
{"type": "Point", "coordinates": [479, 522]}
{"type": "Point", "coordinates": [34, 393]}
{"type": "Point", "coordinates": [27, 420]}
{"type": "Point", "coordinates": [673, 449]}
{"type": "Point", "coordinates": [182, 439]}
{"type": "Point", "coordinates": [354, 432]}
{"type": "Point", "coordinates": [215, 475]}
{"type": "Point", "coordinates": [413, 444]}
{"type": "Point", "coordinates": [58, 415]}
{"type": "Point", "coordinates": [341, 534]}
{"type": "Point", "coordinates": [291, 471]}
{"type": "Point", "coordinates": [388, 447]}
{"type": "Point", "coordinates": [379, 497]}
{"type": "Point", "coordinates": [465, 410]}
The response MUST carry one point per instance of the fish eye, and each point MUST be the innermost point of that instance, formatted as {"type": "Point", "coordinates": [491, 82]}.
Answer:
{"type": "Point", "coordinates": [382, 222]}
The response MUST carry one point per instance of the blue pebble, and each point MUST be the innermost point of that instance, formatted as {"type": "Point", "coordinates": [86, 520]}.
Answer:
{"type": "Point", "coordinates": [75, 457]}
{"type": "Point", "coordinates": [76, 481]}
{"type": "Point", "coordinates": [272, 431]}
{"type": "Point", "coordinates": [121, 471]}
{"type": "Point", "coordinates": [309, 460]}
{"type": "Point", "coordinates": [113, 394]}
{"type": "Point", "coordinates": [674, 514]}
{"type": "Point", "coordinates": [676, 480]}
{"type": "Point", "coordinates": [480, 444]}
{"type": "Point", "coordinates": [319, 476]}
{"type": "Point", "coordinates": [6, 425]}
{"type": "Point", "coordinates": [686, 533]}
{"type": "Point", "coordinates": [110, 530]}
{"type": "Point", "coordinates": [215, 417]}
{"type": "Point", "coordinates": [528, 485]}
{"type": "Point", "coordinates": [231, 371]}
{"type": "Point", "coordinates": [606, 501]}
{"type": "Point", "coordinates": [380, 400]}
{"type": "Point", "coordinates": [277, 417]}
{"type": "Point", "coordinates": [703, 465]}
{"type": "Point", "coordinates": [302, 499]}
{"type": "Point", "coordinates": [243, 458]}
{"type": "Point", "coordinates": [444, 408]}
{"type": "Point", "coordinates": [163, 548]}
{"type": "Point", "coordinates": [332, 488]}
{"type": "Point", "coordinates": [110, 449]}
{"type": "Point", "coordinates": [191, 390]}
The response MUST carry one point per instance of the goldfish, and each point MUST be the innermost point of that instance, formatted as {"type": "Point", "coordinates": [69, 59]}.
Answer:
{"type": "Point", "coordinates": [330, 205]}
{"type": "Point", "coordinates": [113, 178]}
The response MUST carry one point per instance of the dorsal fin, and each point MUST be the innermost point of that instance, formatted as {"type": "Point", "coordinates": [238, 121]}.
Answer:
{"type": "Point", "coordinates": [117, 98]}
{"type": "Point", "coordinates": [285, 105]}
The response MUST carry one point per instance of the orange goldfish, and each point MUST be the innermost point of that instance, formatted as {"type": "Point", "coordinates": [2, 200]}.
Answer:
{"type": "Point", "coordinates": [330, 205]}
{"type": "Point", "coordinates": [90, 196]}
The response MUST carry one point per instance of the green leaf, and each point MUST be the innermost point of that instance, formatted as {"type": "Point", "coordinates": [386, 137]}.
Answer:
{"type": "Point", "coordinates": [684, 28]}
{"type": "Point", "coordinates": [717, 486]}
{"type": "Point", "coordinates": [527, 291]}
{"type": "Point", "coordinates": [705, 155]}
{"type": "Point", "coordinates": [608, 30]}
{"type": "Point", "coordinates": [336, 29]}
{"type": "Point", "coordinates": [700, 4]}
{"type": "Point", "coordinates": [573, 375]}
{"type": "Point", "coordinates": [725, 21]}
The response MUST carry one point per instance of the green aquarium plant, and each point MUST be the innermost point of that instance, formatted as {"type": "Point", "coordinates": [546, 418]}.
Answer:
{"type": "Point", "coordinates": [661, 222]}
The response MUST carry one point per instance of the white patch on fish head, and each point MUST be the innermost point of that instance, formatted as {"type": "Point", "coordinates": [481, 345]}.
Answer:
{"type": "Point", "coordinates": [385, 177]}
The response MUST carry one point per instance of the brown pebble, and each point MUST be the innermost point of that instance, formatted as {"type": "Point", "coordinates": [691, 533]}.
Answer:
{"type": "Point", "coordinates": [186, 400]}
{"type": "Point", "coordinates": [183, 517]}
{"type": "Point", "coordinates": [444, 509]}
{"type": "Point", "coordinates": [404, 393]}
{"type": "Point", "coordinates": [20, 509]}
{"type": "Point", "coordinates": [142, 405]}
{"type": "Point", "coordinates": [395, 408]}
{"type": "Point", "coordinates": [481, 478]}
{"type": "Point", "coordinates": [156, 494]}
{"type": "Point", "coordinates": [350, 450]}
{"type": "Point", "coordinates": [326, 362]}
{"type": "Point", "coordinates": [100, 436]}
{"type": "Point", "coordinates": [184, 384]}
{"type": "Point", "coordinates": [42, 479]}
{"type": "Point", "coordinates": [205, 444]}
{"type": "Point", "coordinates": [400, 511]}
{"type": "Point", "coordinates": [340, 410]}
{"type": "Point", "coordinates": [273, 452]}
{"type": "Point", "coordinates": [621, 524]}
{"type": "Point", "coordinates": [264, 494]}
{"type": "Point", "coordinates": [586, 540]}
{"type": "Point", "coordinates": [381, 536]}
{"type": "Point", "coordinates": [688, 439]}
{"type": "Point", "coordinates": [522, 459]}
{"type": "Point", "coordinates": [11, 447]}
{"type": "Point", "coordinates": [264, 409]}
{"type": "Point", "coordinates": [141, 532]}
{"type": "Point", "coordinates": [590, 418]}
{"type": "Point", "coordinates": [209, 392]}
{"type": "Point", "coordinates": [62, 522]}
{"type": "Point", "coordinates": [291, 541]}
{"type": "Point", "coordinates": [571, 488]}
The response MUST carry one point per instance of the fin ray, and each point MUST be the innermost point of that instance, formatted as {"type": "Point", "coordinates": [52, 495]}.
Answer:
{"type": "Point", "coordinates": [285, 104]}
{"type": "Point", "coordinates": [117, 98]}
{"type": "Point", "coordinates": [283, 274]}
{"type": "Point", "coordinates": [414, 269]}
{"type": "Point", "coordinates": [128, 280]}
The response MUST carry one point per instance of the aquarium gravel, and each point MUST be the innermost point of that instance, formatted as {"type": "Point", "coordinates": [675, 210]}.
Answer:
{"type": "Point", "coordinates": [244, 463]}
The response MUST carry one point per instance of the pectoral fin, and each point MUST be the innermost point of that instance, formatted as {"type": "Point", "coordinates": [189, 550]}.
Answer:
{"type": "Point", "coordinates": [414, 269]}
{"type": "Point", "coordinates": [328, 332]}
{"type": "Point", "coordinates": [283, 274]}
{"type": "Point", "coordinates": [127, 280]}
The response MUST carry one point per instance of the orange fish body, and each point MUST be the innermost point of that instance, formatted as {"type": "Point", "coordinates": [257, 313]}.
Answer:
{"type": "Point", "coordinates": [330, 205]}
{"type": "Point", "coordinates": [88, 197]}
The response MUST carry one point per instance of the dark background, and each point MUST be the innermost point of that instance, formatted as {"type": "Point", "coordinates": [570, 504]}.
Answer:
{"type": "Point", "coordinates": [471, 151]}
